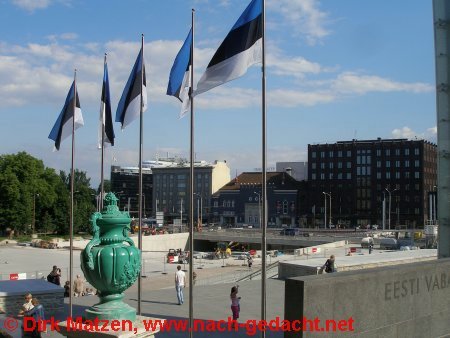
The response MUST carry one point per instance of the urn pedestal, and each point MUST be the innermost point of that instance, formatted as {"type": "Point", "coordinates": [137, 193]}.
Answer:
{"type": "Point", "coordinates": [111, 262]}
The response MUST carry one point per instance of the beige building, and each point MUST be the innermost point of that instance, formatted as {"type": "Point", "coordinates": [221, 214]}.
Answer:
{"type": "Point", "coordinates": [171, 188]}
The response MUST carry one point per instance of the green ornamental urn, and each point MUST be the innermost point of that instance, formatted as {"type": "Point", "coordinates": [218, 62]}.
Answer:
{"type": "Point", "coordinates": [111, 262]}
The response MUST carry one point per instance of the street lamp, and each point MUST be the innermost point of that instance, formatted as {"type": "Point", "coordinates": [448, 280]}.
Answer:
{"type": "Point", "coordinates": [329, 218]}
{"type": "Point", "coordinates": [34, 211]}
{"type": "Point", "coordinates": [199, 210]}
{"type": "Point", "coordinates": [259, 207]}
{"type": "Point", "coordinates": [390, 192]}
{"type": "Point", "coordinates": [144, 202]}
{"type": "Point", "coordinates": [384, 210]}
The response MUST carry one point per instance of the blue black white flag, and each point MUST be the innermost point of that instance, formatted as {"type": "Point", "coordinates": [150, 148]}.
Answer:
{"type": "Point", "coordinates": [180, 75]}
{"type": "Point", "coordinates": [63, 125]}
{"type": "Point", "coordinates": [240, 49]}
{"type": "Point", "coordinates": [106, 123]}
{"type": "Point", "coordinates": [129, 105]}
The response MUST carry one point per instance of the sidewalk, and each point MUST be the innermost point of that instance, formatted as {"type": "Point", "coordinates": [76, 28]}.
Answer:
{"type": "Point", "coordinates": [211, 302]}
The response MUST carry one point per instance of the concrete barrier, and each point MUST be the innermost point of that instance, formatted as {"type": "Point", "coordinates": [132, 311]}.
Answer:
{"type": "Point", "coordinates": [411, 300]}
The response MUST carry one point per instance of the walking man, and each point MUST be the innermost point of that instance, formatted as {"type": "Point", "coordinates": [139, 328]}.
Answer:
{"type": "Point", "coordinates": [180, 282]}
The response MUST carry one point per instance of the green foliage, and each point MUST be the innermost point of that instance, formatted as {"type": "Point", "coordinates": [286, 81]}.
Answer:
{"type": "Point", "coordinates": [31, 193]}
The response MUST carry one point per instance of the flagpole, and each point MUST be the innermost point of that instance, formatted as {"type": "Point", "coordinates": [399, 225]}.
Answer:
{"type": "Point", "coordinates": [264, 174]}
{"type": "Point", "coordinates": [102, 177]}
{"type": "Point", "coordinates": [191, 196]}
{"type": "Point", "coordinates": [141, 118]}
{"type": "Point", "coordinates": [72, 174]}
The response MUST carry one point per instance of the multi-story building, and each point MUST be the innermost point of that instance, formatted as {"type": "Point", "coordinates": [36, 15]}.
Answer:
{"type": "Point", "coordinates": [125, 184]}
{"type": "Point", "coordinates": [298, 170]}
{"type": "Point", "coordinates": [359, 175]}
{"type": "Point", "coordinates": [239, 201]}
{"type": "Point", "coordinates": [171, 188]}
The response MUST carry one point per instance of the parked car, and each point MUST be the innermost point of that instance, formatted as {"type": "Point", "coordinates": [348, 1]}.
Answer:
{"type": "Point", "coordinates": [388, 244]}
{"type": "Point", "coordinates": [366, 242]}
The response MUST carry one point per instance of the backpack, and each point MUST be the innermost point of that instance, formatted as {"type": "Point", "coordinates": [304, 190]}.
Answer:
{"type": "Point", "coordinates": [50, 278]}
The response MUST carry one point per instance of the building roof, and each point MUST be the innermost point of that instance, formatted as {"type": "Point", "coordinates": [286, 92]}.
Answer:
{"type": "Point", "coordinates": [247, 179]}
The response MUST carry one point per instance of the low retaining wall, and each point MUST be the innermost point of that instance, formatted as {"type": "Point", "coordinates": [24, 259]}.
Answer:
{"type": "Point", "coordinates": [410, 300]}
{"type": "Point", "coordinates": [12, 294]}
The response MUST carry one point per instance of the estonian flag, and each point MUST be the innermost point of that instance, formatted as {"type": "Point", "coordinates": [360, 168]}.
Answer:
{"type": "Point", "coordinates": [180, 75]}
{"type": "Point", "coordinates": [105, 112]}
{"type": "Point", "coordinates": [63, 125]}
{"type": "Point", "coordinates": [241, 48]}
{"type": "Point", "coordinates": [129, 104]}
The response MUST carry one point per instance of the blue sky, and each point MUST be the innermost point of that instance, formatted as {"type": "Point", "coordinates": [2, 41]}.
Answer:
{"type": "Point", "coordinates": [336, 70]}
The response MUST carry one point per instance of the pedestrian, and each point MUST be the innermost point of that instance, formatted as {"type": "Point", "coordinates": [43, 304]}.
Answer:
{"type": "Point", "coordinates": [180, 283]}
{"type": "Point", "coordinates": [235, 302]}
{"type": "Point", "coordinates": [78, 286]}
{"type": "Point", "coordinates": [370, 248]}
{"type": "Point", "coordinates": [67, 289]}
{"type": "Point", "coordinates": [28, 305]}
{"type": "Point", "coordinates": [194, 277]}
{"type": "Point", "coordinates": [330, 265]}
{"type": "Point", "coordinates": [37, 312]}
{"type": "Point", "coordinates": [249, 261]}
{"type": "Point", "coordinates": [54, 276]}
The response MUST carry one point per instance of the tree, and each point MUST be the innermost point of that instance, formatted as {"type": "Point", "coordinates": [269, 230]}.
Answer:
{"type": "Point", "coordinates": [84, 199]}
{"type": "Point", "coordinates": [22, 179]}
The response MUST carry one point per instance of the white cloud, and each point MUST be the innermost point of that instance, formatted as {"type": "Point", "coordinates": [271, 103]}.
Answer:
{"type": "Point", "coordinates": [354, 83]}
{"type": "Point", "coordinates": [31, 5]}
{"type": "Point", "coordinates": [303, 17]}
{"type": "Point", "coordinates": [406, 132]}
{"type": "Point", "coordinates": [42, 73]}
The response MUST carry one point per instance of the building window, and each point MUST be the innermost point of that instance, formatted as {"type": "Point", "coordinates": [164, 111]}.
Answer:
{"type": "Point", "coordinates": [232, 203]}
{"type": "Point", "coordinates": [330, 176]}
{"type": "Point", "coordinates": [349, 165]}
{"type": "Point", "coordinates": [322, 165]}
{"type": "Point", "coordinates": [322, 154]}
{"type": "Point", "coordinates": [340, 165]}
{"type": "Point", "coordinates": [416, 175]}
{"type": "Point", "coordinates": [388, 175]}
{"type": "Point", "coordinates": [388, 152]}
{"type": "Point", "coordinates": [250, 219]}
{"type": "Point", "coordinates": [349, 176]}
{"type": "Point", "coordinates": [378, 175]}
{"type": "Point", "coordinates": [416, 151]}
{"type": "Point", "coordinates": [322, 176]}
{"type": "Point", "coordinates": [417, 211]}
{"type": "Point", "coordinates": [340, 176]}
{"type": "Point", "coordinates": [285, 207]}
{"type": "Point", "coordinates": [378, 152]}
{"type": "Point", "coordinates": [216, 204]}
{"type": "Point", "coordinates": [388, 164]}
{"type": "Point", "coordinates": [378, 164]}
{"type": "Point", "coordinates": [331, 165]}
{"type": "Point", "coordinates": [349, 153]}
{"type": "Point", "coordinates": [313, 154]}
{"type": "Point", "coordinates": [224, 204]}
{"type": "Point", "coordinates": [406, 174]}
{"type": "Point", "coordinates": [340, 153]}
{"type": "Point", "coordinates": [397, 164]}
{"type": "Point", "coordinates": [313, 176]}
{"type": "Point", "coordinates": [407, 164]}
{"type": "Point", "coordinates": [397, 175]}
{"type": "Point", "coordinates": [313, 165]}
{"type": "Point", "coordinates": [407, 151]}
{"type": "Point", "coordinates": [331, 154]}
{"type": "Point", "coordinates": [397, 152]}
{"type": "Point", "coordinates": [417, 163]}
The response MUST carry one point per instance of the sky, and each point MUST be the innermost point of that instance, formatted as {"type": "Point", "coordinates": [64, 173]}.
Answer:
{"type": "Point", "coordinates": [336, 70]}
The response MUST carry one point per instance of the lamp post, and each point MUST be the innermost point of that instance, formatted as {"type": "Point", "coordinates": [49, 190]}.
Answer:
{"type": "Point", "coordinates": [259, 207]}
{"type": "Point", "coordinates": [384, 210]}
{"type": "Point", "coordinates": [329, 217]}
{"type": "Point", "coordinates": [199, 210]}
{"type": "Point", "coordinates": [34, 212]}
{"type": "Point", "coordinates": [390, 192]}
